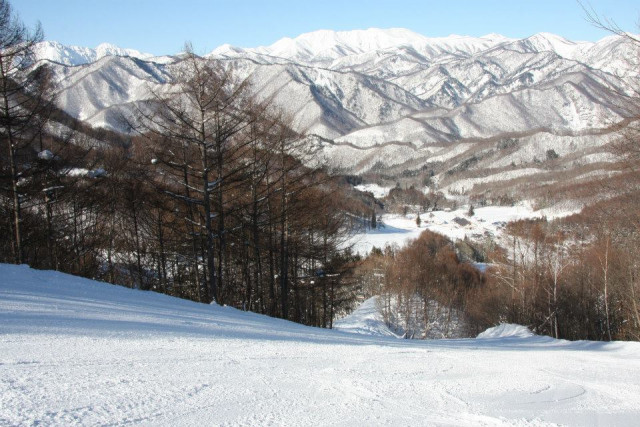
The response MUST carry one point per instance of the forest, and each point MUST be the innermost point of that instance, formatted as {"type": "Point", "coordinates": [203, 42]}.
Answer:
{"type": "Point", "coordinates": [573, 278]}
{"type": "Point", "coordinates": [208, 199]}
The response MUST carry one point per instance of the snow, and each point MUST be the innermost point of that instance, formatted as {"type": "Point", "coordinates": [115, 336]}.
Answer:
{"type": "Point", "coordinates": [328, 45]}
{"type": "Point", "coordinates": [76, 55]}
{"type": "Point", "coordinates": [393, 230]}
{"type": "Point", "coordinates": [506, 330]}
{"type": "Point", "coordinates": [397, 230]}
{"type": "Point", "coordinates": [76, 172]}
{"type": "Point", "coordinates": [95, 173]}
{"type": "Point", "coordinates": [366, 319]}
{"type": "Point", "coordinates": [553, 43]}
{"type": "Point", "coordinates": [378, 191]}
{"type": "Point", "coordinates": [45, 155]}
{"type": "Point", "coordinates": [466, 184]}
{"type": "Point", "coordinates": [75, 351]}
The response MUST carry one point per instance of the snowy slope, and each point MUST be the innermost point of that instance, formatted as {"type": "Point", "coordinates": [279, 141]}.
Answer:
{"type": "Point", "coordinates": [326, 46]}
{"type": "Point", "coordinates": [393, 230]}
{"type": "Point", "coordinates": [73, 351]}
{"type": "Point", "coordinates": [397, 230]}
{"type": "Point", "coordinates": [506, 330]}
{"type": "Point", "coordinates": [77, 55]}
{"type": "Point", "coordinates": [392, 100]}
{"type": "Point", "coordinates": [367, 319]}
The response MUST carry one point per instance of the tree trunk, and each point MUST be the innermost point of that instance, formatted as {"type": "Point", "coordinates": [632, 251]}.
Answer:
{"type": "Point", "coordinates": [211, 267]}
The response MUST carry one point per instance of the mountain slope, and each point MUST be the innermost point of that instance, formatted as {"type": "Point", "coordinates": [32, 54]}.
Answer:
{"type": "Point", "coordinates": [76, 55]}
{"type": "Point", "coordinates": [74, 351]}
{"type": "Point", "coordinates": [397, 103]}
{"type": "Point", "coordinates": [326, 46]}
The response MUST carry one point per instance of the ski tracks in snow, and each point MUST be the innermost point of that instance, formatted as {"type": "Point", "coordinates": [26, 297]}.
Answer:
{"type": "Point", "coordinates": [76, 352]}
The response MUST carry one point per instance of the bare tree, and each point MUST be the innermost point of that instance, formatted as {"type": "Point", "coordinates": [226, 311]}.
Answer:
{"type": "Point", "coordinates": [629, 97]}
{"type": "Point", "coordinates": [199, 127]}
{"type": "Point", "coordinates": [24, 95]}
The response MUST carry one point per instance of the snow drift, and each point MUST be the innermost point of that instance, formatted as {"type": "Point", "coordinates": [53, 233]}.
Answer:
{"type": "Point", "coordinates": [506, 330]}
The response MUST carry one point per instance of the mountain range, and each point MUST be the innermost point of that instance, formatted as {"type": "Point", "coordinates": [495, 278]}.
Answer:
{"type": "Point", "coordinates": [461, 110]}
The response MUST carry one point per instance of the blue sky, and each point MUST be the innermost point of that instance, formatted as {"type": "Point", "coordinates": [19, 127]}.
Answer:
{"type": "Point", "coordinates": [163, 26]}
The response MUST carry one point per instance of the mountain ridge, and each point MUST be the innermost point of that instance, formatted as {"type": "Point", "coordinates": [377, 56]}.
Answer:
{"type": "Point", "coordinates": [375, 38]}
{"type": "Point", "coordinates": [78, 55]}
{"type": "Point", "coordinates": [369, 95]}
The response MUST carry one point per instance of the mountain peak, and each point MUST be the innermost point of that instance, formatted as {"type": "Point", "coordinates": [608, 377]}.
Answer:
{"type": "Point", "coordinates": [77, 55]}
{"type": "Point", "coordinates": [541, 42]}
{"type": "Point", "coordinates": [388, 36]}
{"type": "Point", "coordinates": [495, 37]}
{"type": "Point", "coordinates": [329, 45]}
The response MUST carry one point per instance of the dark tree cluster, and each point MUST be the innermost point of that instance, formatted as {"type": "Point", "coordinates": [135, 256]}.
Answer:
{"type": "Point", "coordinates": [403, 200]}
{"type": "Point", "coordinates": [208, 200]}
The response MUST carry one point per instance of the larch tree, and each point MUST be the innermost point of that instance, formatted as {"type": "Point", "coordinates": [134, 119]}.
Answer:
{"type": "Point", "coordinates": [198, 127]}
{"type": "Point", "coordinates": [24, 97]}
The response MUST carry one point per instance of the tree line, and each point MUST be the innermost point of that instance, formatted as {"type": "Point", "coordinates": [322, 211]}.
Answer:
{"type": "Point", "coordinates": [573, 278]}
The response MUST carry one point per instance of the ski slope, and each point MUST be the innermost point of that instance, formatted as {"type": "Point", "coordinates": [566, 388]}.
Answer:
{"type": "Point", "coordinates": [366, 319]}
{"type": "Point", "coordinates": [74, 351]}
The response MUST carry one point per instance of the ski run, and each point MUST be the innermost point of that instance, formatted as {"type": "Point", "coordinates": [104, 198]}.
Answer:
{"type": "Point", "coordinates": [76, 351]}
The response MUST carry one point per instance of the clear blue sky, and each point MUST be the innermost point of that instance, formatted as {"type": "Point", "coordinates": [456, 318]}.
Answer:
{"type": "Point", "coordinates": [163, 26]}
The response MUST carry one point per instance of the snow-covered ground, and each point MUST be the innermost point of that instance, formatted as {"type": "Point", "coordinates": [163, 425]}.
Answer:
{"type": "Point", "coordinates": [366, 319]}
{"type": "Point", "coordinates": [378, 191]}
{"type": "Point", "coordinates": [393, 230]}
{"type": "Point", "coordinates": [74, 351]}
{"type": "Point", "coordinates": [486, 221]}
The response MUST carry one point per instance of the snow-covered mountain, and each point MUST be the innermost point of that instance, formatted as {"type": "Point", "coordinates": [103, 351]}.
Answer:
{"type": "Point", "coordinates": [326, 46]}
{"type": "Point", "coordinates": [77, 55]}
{"type": "Point", "coordinates": [396, 100]}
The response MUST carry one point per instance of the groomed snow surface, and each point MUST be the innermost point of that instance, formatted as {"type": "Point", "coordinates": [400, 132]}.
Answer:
{"type": "Point", "coordinates": [74, 351]}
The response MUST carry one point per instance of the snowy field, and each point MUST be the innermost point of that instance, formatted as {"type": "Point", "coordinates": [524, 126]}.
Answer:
{"type": "Point", "coordinates": [487, 221]}
{"type": "Point", "coordinates": [73, 351]}
{"type": "Point", "coordinates": [375, 189]}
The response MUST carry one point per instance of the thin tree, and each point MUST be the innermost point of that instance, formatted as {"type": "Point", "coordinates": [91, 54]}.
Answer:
{"type": "Point", "coordinates": [23, 97]}
{"type": "Point", "coordinates": [201, 123]}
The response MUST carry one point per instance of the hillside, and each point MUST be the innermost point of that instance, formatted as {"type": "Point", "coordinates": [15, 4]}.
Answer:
{"type": "Point", "coordinates": [397, 103]}
{"type": "Point", "coordinates": [75, 351]}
